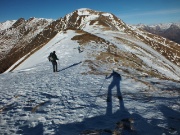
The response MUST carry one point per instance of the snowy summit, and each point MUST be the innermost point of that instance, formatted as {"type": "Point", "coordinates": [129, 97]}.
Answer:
{"type": "Point", "coordinates": [84, 11]}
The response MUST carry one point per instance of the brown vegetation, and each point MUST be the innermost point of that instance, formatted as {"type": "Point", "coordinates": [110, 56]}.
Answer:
{"type": "Point", "coordinates": [87, 37]}
{"type": "Point", "coordinates": [170, 50]}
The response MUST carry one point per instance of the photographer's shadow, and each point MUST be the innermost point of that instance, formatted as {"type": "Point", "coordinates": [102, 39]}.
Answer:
{"type": "Point", "coordinates": [116, 79]}
{"type": "Point", "coordinates": [119, 121]}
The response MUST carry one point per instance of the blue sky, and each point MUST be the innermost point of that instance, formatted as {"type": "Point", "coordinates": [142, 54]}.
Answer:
{"type": "Point", "coordinates": [130, 11]}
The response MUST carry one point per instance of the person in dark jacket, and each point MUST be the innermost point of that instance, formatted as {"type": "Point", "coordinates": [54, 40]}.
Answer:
{"type": "Point", "coordinates": [52, 58]}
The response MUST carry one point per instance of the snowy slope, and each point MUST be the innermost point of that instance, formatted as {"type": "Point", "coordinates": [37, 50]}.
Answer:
{"type": "Point", "coordinates": [17, 39]}
{"type": "Point", "coordinates": [117, 33]}
{"type": "Point", "coordinates": [6, 25]}
{"type": "Point", "coordinates": [20, 32]}
{"type": "Point", "coordinates": [34, 100]}
{"type": "Point", "coordinates": [25, 37]}
{"type": "Point", "coordinates": [142, 50]}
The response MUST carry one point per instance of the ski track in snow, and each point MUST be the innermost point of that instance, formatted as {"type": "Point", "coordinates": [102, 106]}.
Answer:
{"type": "Point", "coordinates": [37, 101]}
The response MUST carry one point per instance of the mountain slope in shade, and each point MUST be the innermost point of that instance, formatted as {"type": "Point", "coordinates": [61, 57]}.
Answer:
{"type": "Point", "coordinates": [19, 39]}
{"type": "Point", "coordinates": [170, 31]}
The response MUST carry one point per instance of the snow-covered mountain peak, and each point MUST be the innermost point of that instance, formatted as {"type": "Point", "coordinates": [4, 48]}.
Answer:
{"type": "Point", "coordinates": [86, 18]}
{"type": "Point", "coordinates": [90, 12]}
{"type": "Point", "coordinates": [170, 31]}
{"type": "Point", "coordinates": [6, 25]}
{"type": "Point", "coordinates": [162, 26]}
{"type": "Point", "coordinates": [84, 11]}
{"type": "Point", "coordinates": [109, 33]}
{"type": "Point", "coordinates": [87, 11]}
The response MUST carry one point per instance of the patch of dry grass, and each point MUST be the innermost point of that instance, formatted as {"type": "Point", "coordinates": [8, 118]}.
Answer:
{"type": "Point", "coordinates": [37, 106]}
{"type": "Point", "coordinates": [86, 38]}
{"type": "Point", "coordinates": [165, 47]}
{"type": "Point", "coordinates": [119, 58]}
{"type": "Point", "coordinates": [8, 106]}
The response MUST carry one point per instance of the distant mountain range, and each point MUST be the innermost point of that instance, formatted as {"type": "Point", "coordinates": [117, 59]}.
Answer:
{"type": "Point", "coordinates": [116, 44]}
{"type": "Point", "coordinates": [170, 31]}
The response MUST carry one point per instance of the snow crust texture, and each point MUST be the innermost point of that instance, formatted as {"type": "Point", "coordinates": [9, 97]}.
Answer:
{"type": "Point", "coordinates": [34, 100]}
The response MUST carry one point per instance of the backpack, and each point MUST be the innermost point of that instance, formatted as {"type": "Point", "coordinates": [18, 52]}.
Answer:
{"type": "Point", "coordinates": [50, 57]}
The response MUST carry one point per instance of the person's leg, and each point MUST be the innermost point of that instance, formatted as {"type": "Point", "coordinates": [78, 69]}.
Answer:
{"type": "Point", "coordinates": [109, 100]}
{"type": "Point", "coordinates": [53, 63]}
{"type": "Point", "coordinates": [109, 94]}
{"type": "Point", "coordinates": [118, 89]}
{"type": "Point", "coordinates": [55, 66]}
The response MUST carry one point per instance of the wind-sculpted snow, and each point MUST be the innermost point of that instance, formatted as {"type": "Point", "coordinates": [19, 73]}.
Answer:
{"type": "Point", "coordinates": [34, 100]}
{"type": "Point", "coordinates": [37, 101]}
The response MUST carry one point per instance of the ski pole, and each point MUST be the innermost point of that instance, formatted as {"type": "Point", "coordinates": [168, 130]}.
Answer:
{"type": "Point", "coordinates": [89, 110]}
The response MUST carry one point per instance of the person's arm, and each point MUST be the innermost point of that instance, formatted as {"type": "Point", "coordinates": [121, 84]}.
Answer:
{"type": "Point", "coordinates": [107, 77]}
{"type": "Point", "coordinates": [56, 57]}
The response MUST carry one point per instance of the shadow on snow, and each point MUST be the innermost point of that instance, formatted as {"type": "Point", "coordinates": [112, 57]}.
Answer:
{"type": "Point", "coordinates": [75, 64]}
{"type": "Point", "coordinates": [120, 122]}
